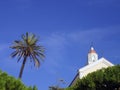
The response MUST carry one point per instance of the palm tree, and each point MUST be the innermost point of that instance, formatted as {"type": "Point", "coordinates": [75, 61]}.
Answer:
{"type": "Point", "coordinates": [28, 49]}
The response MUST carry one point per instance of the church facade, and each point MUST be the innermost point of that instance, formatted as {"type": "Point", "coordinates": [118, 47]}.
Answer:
{"type": "Point", "coordinates": [93, 64]}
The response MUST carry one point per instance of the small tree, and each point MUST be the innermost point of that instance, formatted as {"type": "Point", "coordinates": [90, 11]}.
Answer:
{"type": "Point", "coordinates": [28, 49]}
{"type": "Point", "coordinates": [10, 83]}
{"type": "Point", "coordinates": [57, 87]}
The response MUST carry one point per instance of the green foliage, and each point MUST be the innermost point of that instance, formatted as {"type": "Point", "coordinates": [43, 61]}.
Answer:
{"type": "Point", "coordinates": [10, 83]}
{"type": "Point", "coordinates": [104, 79]}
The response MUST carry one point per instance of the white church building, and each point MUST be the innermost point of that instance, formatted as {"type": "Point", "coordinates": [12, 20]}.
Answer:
{"type": "Point", "coordinates": [93, 64]}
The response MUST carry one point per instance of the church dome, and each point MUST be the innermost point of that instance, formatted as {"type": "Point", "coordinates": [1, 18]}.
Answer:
{"type": "Point", "coordinates": [92, 50]}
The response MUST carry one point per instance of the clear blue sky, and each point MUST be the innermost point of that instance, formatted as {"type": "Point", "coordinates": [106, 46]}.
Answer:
{"type": "Point", "coordinates": [66, 29]}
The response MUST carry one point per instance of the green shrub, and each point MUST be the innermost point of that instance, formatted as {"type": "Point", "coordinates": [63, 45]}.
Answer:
{"type": "Point", "coordinates": [104, 79]}
{"type": "Point", "coordinates": [10, 83]}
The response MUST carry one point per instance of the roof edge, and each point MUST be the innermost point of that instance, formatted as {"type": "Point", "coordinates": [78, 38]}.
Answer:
{"type": "Point", "coordinates": [91, 65]}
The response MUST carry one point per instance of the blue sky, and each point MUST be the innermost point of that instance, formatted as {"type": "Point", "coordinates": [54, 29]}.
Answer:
{"type": "Point", "coordinates": [66, 29]}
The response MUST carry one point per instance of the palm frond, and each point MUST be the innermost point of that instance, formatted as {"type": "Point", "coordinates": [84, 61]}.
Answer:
{"type": "Point", "coordinates": [36, 60]}
{"type": "Point", "coordinates": [28, 47]}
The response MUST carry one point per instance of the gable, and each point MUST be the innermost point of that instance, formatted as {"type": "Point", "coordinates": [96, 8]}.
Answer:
{"type": "Point", "coordinates": [101, 63]}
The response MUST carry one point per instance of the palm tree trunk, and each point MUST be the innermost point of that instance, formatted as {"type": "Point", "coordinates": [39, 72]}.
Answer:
{"type": "Point", "coordinates": [22, 67]}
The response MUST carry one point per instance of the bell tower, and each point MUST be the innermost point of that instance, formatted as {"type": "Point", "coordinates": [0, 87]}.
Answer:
{"type": "Point", "coordinates": [92, 56]}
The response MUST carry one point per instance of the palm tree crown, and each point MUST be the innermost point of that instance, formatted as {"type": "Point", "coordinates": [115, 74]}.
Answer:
{"type": "Point", "coordinates": [27, 48]}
